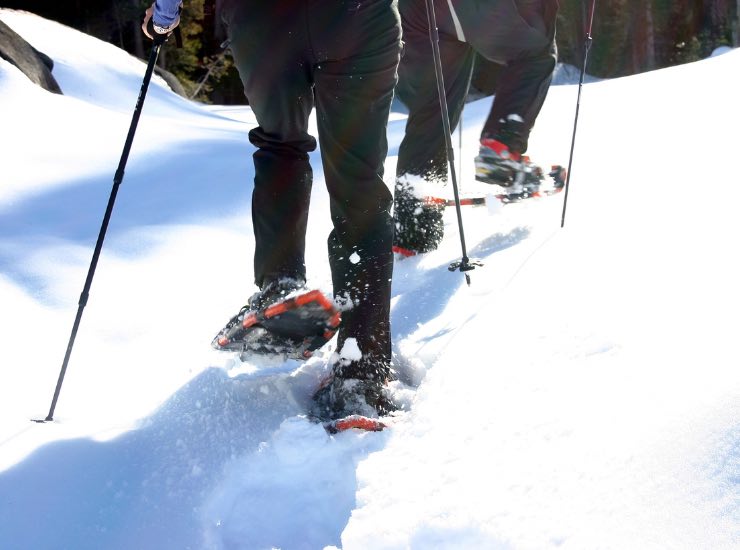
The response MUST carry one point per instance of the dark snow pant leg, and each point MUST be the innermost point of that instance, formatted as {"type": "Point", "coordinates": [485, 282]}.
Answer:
{"type": "Point", "coordinates": [282, 100]}
{"type": "Point", "coordinates": [280, 204]}
{"type": "Point", "coordinates": [353, 99]}
{"type": "Point", "coordinates": [422, 153]}
{"type": "Point", "coordinates": [522, 89]}
{"type": "Point", "coordinates": [524, 81]}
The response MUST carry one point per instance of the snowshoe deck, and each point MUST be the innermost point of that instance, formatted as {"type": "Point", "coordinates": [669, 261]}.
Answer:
{"type": "Point", "coordinates": [466, 201]}
{"type": "Point", "coordinates": [354, 422]}
{"type": "Point", "coordinates": [294, 327]}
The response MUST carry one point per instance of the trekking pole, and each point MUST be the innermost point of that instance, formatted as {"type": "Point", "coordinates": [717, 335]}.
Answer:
{"type": "Point", "coordinates": [587, 46]}
{"type": "Point", "coordinates": [459, 143]}
{"type": "Point", "coordinates": [465, 264]}
{"type": "Point", "coordinates": [117, 179]}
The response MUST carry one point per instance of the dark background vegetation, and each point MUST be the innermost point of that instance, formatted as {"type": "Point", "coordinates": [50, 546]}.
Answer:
{"type": "Point", "coordinates": [630, 36]}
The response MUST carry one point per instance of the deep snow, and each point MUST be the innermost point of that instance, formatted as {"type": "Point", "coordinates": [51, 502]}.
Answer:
{"type": "Point", "coordinates": [582, 393]}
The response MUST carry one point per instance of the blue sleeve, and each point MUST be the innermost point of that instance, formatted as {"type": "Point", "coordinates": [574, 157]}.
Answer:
{"type": "Point", "coordinates": [166, 12]}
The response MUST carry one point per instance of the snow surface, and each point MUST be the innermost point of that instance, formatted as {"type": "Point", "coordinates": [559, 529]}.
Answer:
{"type": "Point", "coordinates": [582, 393]}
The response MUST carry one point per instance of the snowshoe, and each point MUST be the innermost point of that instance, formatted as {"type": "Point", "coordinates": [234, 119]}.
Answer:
{"type": "Point", "coordinates": [419, 223]}
{"type": "Point", "coordinates": [496, 163]}
{"type": "Point", "coordinates": [464, 201]}
{"type": "Point", "coordinates": [528, 184]}
{"type": "Point", "coordinates": [349, 403]}
{"type": "Point", "coordinates": [293, 327]}
{"type": "Point", "coordinates": [403, 252]}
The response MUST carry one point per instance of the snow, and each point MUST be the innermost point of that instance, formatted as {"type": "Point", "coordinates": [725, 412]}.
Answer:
{"type": "Point", "coordinates": [583, 392]}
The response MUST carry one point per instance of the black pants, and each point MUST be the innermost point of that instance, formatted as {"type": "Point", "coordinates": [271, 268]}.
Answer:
{"type": "Point", "coordinates": [341, 57]}
{"type": "Point", "coordinates": [520, 35]}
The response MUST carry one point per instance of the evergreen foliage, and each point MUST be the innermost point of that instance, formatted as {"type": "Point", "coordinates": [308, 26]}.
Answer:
{"type": "Point", "coordinates": [632, 36]}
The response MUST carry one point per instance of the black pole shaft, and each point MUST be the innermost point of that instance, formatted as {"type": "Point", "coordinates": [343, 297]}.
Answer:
{"type": "Point", "coordinates": [117, 179]}
{"type": "Point", "coordinates": [587, 46]}
{"type": "Point", "coordinates": [460, 141]}
{"type": "Point", "coordinates": [434, 37]}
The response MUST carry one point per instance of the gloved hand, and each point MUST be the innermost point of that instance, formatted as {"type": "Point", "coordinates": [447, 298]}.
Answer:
{"type": "Point", "coordinates": [158, 34]}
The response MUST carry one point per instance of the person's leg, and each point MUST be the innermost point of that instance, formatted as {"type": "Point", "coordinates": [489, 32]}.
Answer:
{"type": "Point", "coordinates": [422, 157]}
{"type": "Point", "coordinates": [523, 83]}
{"type": "Point", "coordinates": [520, 94]}
{"type": "Point", "coordinates": [522, 88]}
{"type": "Point", "coordinates": [277, 82]}
{"type": "Point", "coordinates": [358, 47]}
